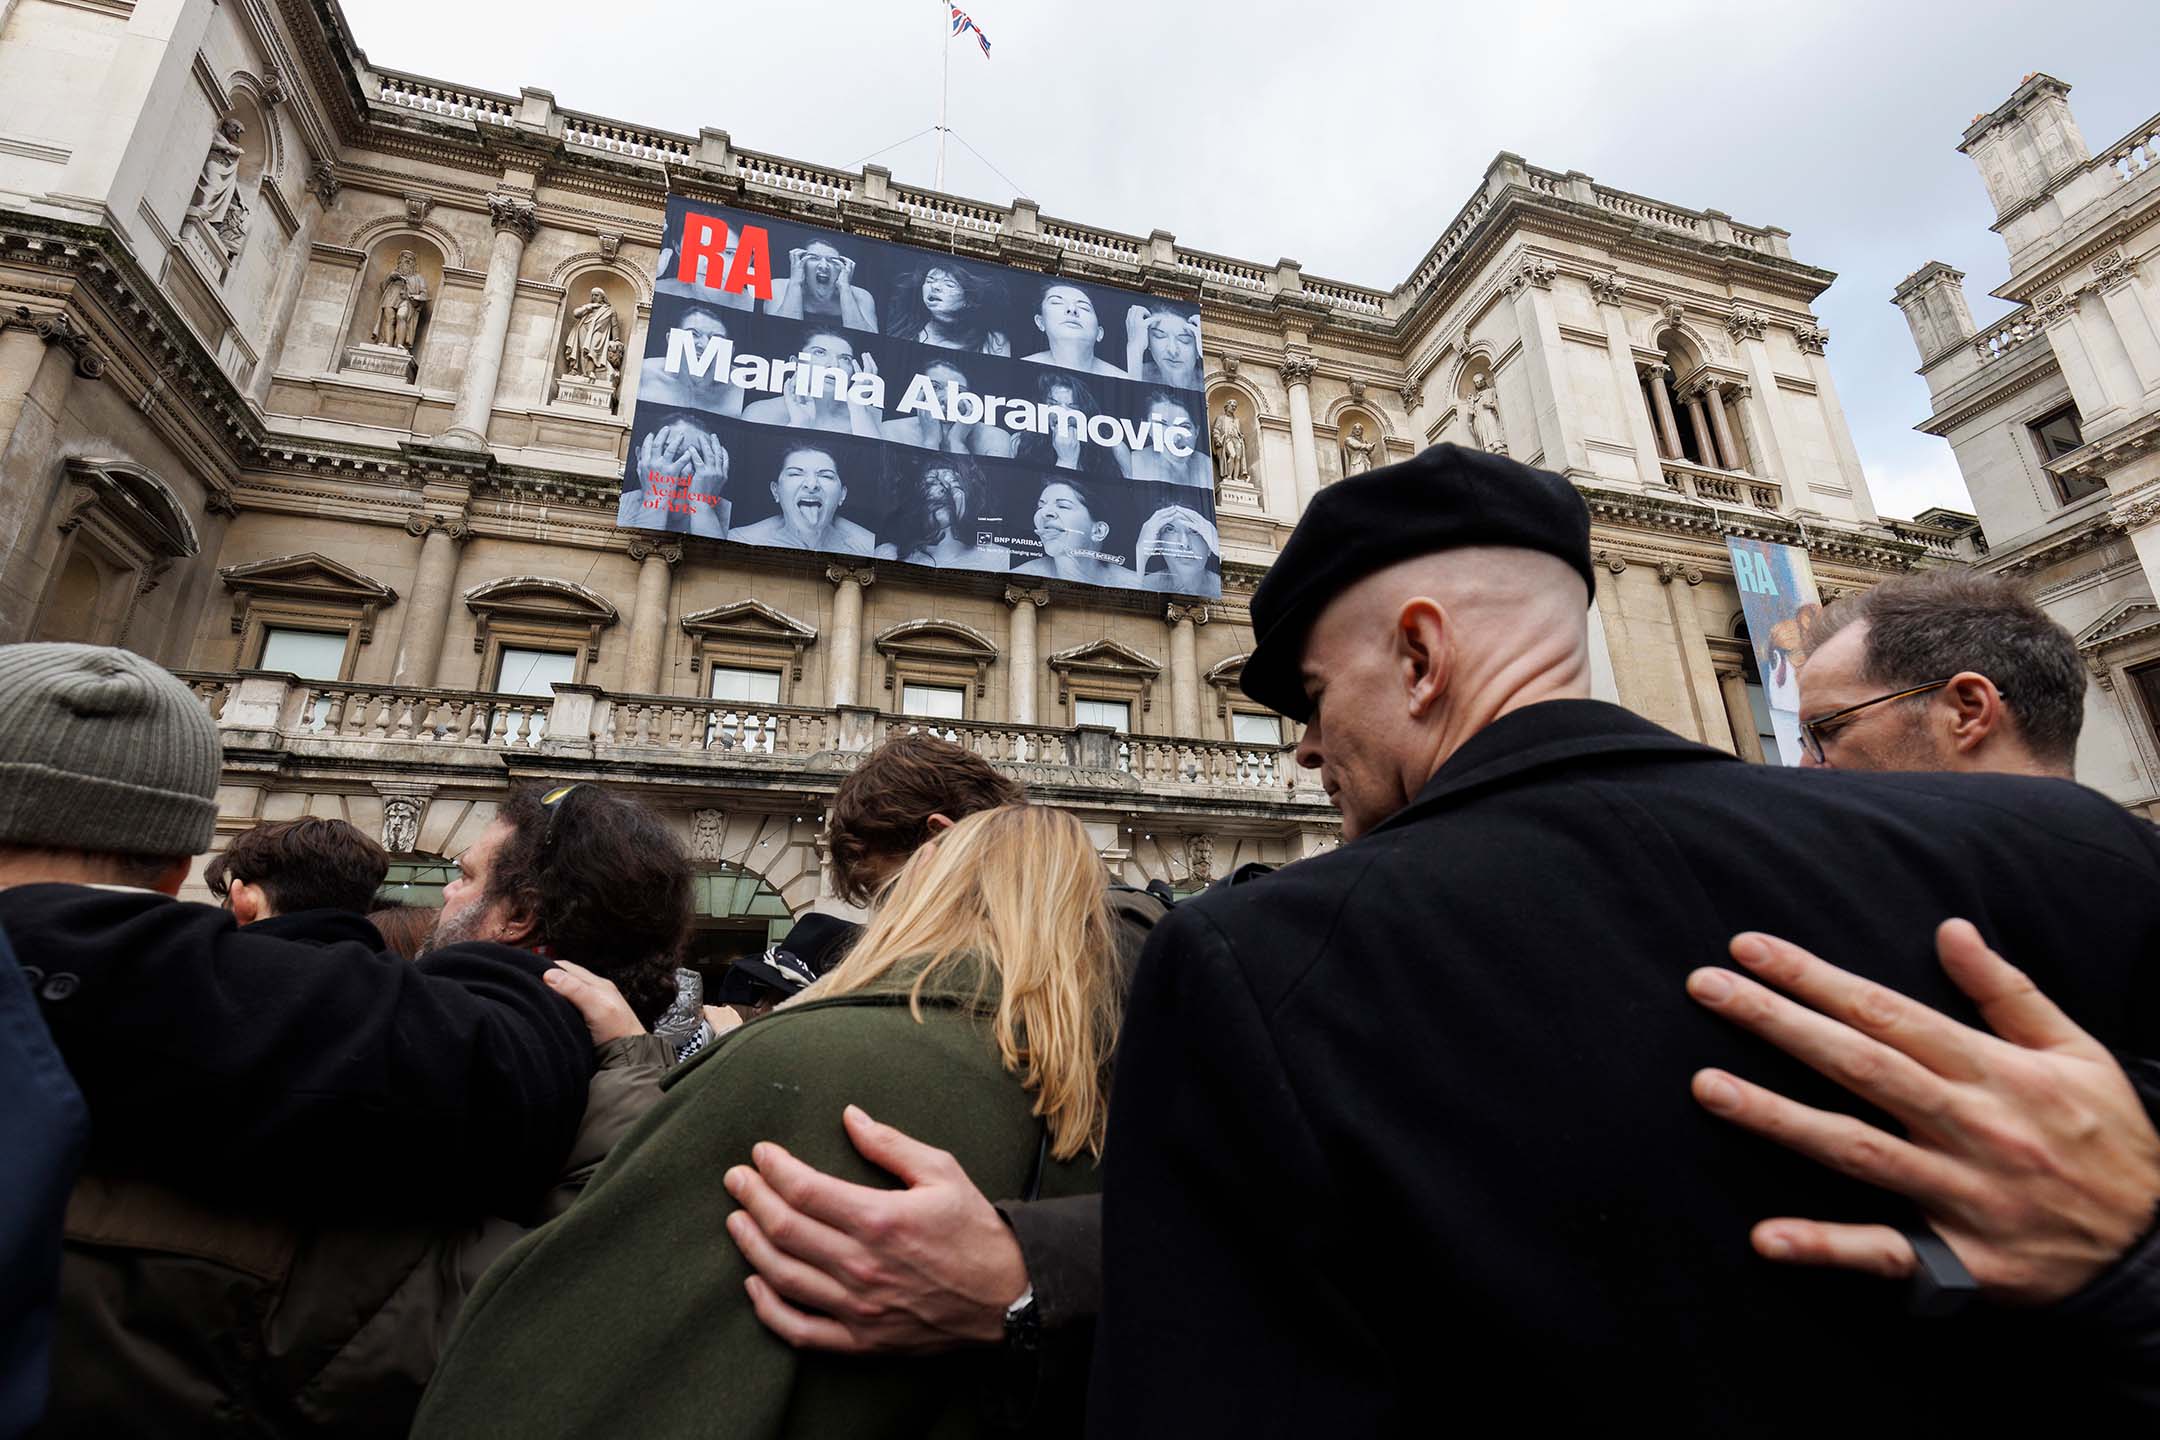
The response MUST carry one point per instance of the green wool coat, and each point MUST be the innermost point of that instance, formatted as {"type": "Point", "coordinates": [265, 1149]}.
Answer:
{"type": "Point", "coordinates": [627, 1316]}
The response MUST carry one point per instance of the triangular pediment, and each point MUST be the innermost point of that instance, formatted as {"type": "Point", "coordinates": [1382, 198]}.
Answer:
{"type": "Point", "coordinates": [1106, 656]}
{"type": "Point", "coordinates": [306, 576]}
{"type": "Point", "coordinates": [2132, 617]}
{"type": "Point", "coordinates": [750, 620]}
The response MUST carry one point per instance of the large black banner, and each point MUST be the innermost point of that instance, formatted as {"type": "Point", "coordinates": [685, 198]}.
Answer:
{"type": "Point", "coordinates": [814, 390]}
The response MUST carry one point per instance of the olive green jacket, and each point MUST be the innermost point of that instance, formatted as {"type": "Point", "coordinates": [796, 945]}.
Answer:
{"type": "Point", "coordinates": [628, 1315]}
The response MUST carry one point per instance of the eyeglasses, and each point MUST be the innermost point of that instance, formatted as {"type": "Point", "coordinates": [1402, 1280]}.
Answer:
{"type": "Point", "coordinates": [552, 802]}
{"type": "Point", "coordinates": [1816, 733]}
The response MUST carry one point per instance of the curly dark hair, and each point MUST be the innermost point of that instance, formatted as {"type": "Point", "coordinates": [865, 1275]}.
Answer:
{"type": "Point", "coordinates": [609, 883]}
{"type": "Point", "coordinates": [909, 526]}
{"type": "Point", "coordinates": [882, 811]}
{"type": "Point", "coordinates": [906, 315]}
{"type": "Point", "coordinates": [305, 864]}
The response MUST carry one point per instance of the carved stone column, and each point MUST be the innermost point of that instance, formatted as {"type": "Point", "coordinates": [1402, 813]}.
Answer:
{"type": "Point", "coordinates": [1668, 425]}
{"type": "Point", "coordinates": [1543, 359]}
{"type": "Point", "coordinates": [1713, 398]}
{"type": "Point", "coordinates": [1297, 373]}
{"type": "Point", "coordinates": [649, 618]}
{"type": "Point", "coordinates": [1184, 668]}
{"type": "Point", "coordinates": [843, 676]}
{"type": "Point", "coordinates": [1740, 715]}
{"type": "Point", "coordinates": [1022, 679]}
{"type": "Point", "coordinates": [514, 222]}
{"type": "Point", "coordinates": [1813, 341]}
{"type": "Point", "coordinates": [428, 611]}
{"type": "Point", "coordinates": [1699, 422]}
{"type": "Point", "coordinates": [1610, 292]}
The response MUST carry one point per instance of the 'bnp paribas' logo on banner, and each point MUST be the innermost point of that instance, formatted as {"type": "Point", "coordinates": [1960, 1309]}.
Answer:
{"type": "Point", "coordinates": [809, 389]}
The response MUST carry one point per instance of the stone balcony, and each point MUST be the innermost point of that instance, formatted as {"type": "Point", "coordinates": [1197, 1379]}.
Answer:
{"type": "Point", "coordinates": [270, 719]}
{"type": "Point", "coordinates": [1723, 487]}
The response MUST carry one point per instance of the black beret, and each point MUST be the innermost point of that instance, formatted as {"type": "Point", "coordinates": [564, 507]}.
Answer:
{"type": "Point", "coordinates": [1443, 498]}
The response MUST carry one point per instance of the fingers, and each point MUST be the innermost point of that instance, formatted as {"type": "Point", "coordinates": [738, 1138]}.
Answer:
{"type": "Point", "coordinates": [1851, 1147]}
{"type": "Point", "coordinates": [804, 1332]}
{"type": "Point", "coordinates": [901, 1153]}
{"type": "Point", "coordinates": [1871, 1249]}
{"type": "Point", "coordinates": [788, 1228]}
{"type": "Point", "coordinates": [1934, 1039]}
{"type": "Point", "coordinates": [2011, 1004]}
{"type": "Point", "coordinates": [836, 1204]}
{"type": "Point", "coordinates": [796, 1282]}
{"type": "Point", "coordinates": [1872, 1070]}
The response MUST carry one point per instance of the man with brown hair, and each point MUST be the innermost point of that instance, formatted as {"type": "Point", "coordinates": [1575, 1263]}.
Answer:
{"type": "Point", "coordinates": [903, 793]}
{"type": "Point", "coordinates": [287, 866]}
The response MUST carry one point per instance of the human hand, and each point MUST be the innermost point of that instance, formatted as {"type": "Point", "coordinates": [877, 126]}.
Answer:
{"type": "Point", "coordinates": [801, 408]}
{"type": "Point", "coordinates": [708, 465]}
{"type": "Point", "coordinates": [907, 1271]}
{"type": "Point", "coordinates": [1065, 444]}
{"type": "Point", "coordinates": [997, 344]}
{"type": "Point", "coordinates": [2030, 1154]}
{"type": "Point", "coordinates": [606, 1014]}
{"type": "Point", "coordinates": [1136, 322]}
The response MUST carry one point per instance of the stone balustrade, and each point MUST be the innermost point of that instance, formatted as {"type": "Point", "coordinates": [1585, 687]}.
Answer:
{"type": "Point", "coordinates": [411, 92]}
{"type": "Point", "coordinates": [1935, 539]}
{"type": "Point", "coordinates": [1722, 487]}
{"type": "Point", "coordinates": [404, 725]}
{"type": "Point", "coordinates": [628, 140]}
{"type": "Point", "coordinates": [2135, 154]}
{"type": "Point", "coordinates": [2006, 334]}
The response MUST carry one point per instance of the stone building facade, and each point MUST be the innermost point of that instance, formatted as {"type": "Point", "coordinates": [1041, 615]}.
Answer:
{"type": "Point", "coordinates": [2054, 411]}
{"type": "Point", "coordinates": [289, 401]}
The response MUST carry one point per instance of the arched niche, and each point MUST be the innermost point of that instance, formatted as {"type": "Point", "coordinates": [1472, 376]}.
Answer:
{"type": "Point", "coordinates": [1242, 406]}
{"type": "Point", "coordinates": [121, 529]}
{"type": "Point", "coordinates": [1360, 432]}
{"type": "Point", "coordinates": [371, 346]}
{"type": "Point", "coordinates": [567, 385]}
{"type": "Point", "coordinates": [236, 156]}
{"type": "Point", "coordinates": [1477, 401]}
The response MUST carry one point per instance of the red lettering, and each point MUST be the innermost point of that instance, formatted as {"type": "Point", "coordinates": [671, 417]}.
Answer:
{"type": "Point", "coordinates": [704, 237]}
{"type": "Point", "coordinates": [750, 270]}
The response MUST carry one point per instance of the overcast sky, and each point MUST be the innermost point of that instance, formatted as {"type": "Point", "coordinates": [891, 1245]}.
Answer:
{"type": "Point", "coordinates": [1347, 137]}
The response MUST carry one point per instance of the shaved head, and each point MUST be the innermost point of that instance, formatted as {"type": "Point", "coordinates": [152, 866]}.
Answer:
{"type": "Point", "coordinates": [1411, 661]}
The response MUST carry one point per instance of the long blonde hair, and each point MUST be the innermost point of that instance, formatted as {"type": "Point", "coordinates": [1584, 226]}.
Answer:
{"type": "Point", "coordinates": [1020, 891]}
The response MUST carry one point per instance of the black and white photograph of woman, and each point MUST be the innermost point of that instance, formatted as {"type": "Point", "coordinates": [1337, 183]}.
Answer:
{"type": "Point", "coordinates": [923, 426]}
{"type": "Point", "coordinates": [933, 521]}
{"type": "Point", "coordinates": [1074, 524]}
{"type": "Point", "coordinates": [1071, 330]}
{"type": "Point", "coordinates": [809, 488]}
{"type": "Point", "coordinates": [711, 392]}
{"type": "Point", "coordinates": [820, 285]}
{"type": "Point", "coordinates": [1174, 454]}
{"type": "Point", "coordinates": [1179, 552]}
{"type": "Point", "coordinates": [1067, 446]}
{"type": "Point", "coordinates": [951, 306]}
{"type": "Point", "coordinates": [1162, 346]}
{"type": "Point", "coordinates": [681, 470]}
{"type": "Point", "coordinates": [821, 403]}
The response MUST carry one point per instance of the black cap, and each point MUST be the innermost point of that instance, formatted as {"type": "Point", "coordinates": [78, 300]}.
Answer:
{"type": "Point", "coordinates": [1443, 498]}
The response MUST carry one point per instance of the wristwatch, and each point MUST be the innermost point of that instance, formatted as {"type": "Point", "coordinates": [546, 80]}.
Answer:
{"type": "Point", "coordinates": [1023, 1322]}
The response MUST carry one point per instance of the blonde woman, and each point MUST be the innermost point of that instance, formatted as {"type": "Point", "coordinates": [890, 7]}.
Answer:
{"type": "Point", "coordinates": [977, 1012]}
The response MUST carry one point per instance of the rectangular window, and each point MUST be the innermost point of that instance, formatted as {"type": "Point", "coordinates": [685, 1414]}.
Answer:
{"type": "Point", "coordinates": [533, 672]}
{"type": "Point", "coordinates": [939, 702]}
{"type": "Point", "coordinates": [1116, 714]}
{"type": "Point", "coordinates": [2147, 680]}
{"type": "Point", "coordinates": [1248, 728]}
{"type": "Point", "coordinates": [309, 654]}
{"type": "Point", "coordinates": [746, 687]}
{"type": "Point", "coordinates": [2056, 435]}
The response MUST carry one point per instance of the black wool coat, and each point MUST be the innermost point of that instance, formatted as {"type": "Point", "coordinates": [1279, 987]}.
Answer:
{"type": "Point", "coordinates": [1402, 1140]}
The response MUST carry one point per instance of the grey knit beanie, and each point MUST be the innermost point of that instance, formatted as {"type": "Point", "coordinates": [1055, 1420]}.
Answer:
{"type": "Point", "coordinates": [101, 750]}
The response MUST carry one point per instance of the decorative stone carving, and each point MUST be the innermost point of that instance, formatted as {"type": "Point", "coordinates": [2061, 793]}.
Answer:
{"type": "Point", "coordinates": [58, 329]}
{"type": "Point", "coordinates": [1672, 312]}
{"type": "Point", "coordinates": [708, 829]}
{"type": "Point", "coordinates": [1671, 570]}
{"type": "Point", "coordinates": [1198, 613]}
{"type": "Point", "coordinates": [592, 355]}
{"type": "Point", "coordinates": [1612, 560]}
{"type": "Point", "coordinates": [1812, 339]}
{"type": "Point", "coordinates": [1297, 369]}
{"type": "Point", "coordinates": [218, 188]}
{"type": "Point", "coordinates": [860, 574]}
{"type": "Point", "coordinates": [1745, 324]}
{"type": "Point", "coordinates": [1227, 438]}
{"type": "Point", "coordinates": [610, 243]}
{"type": "Point", "coordinates": [1200, 857]}
{"type": "Point", "coordinates": [1020, 595]}
{"type": "Point", "coordinates": [1413, 394]}
{"type": "Point", "coordinates": [2138, 513]}
{"type": "Point", "coordinates": [669, 551]}
{"type": "Point", "coordinates": [1609, 289]}
{"type": "Point", "coordinates": [400, 824]}
{"type": "Point", "coordinates": [417, 205]}
{"type": "Point", "coordinates": [1482, 414]}
{"type": "Point", "coordinates": [513, 213]}
{"type": "Point", "coordinates": [398, 305]}
{"type": "Point", "coordinates": [2111, 270]}
{"type": "Point", "coordinates": [1229, 366]}
{"type": "Point", "coordinates": [273, 88]}
{"type": "Point", "coordinates": [322, 181]}
{"type": "Point", "coordinates": [1535, 270]}
{"type": "Point", "coordinates": [2054, 305]}
{"type": "Point", "coordinates": [232, 230]}
{"type": "Point", "coordinates": [1357, 450]}
{"type": "Point", "coordinates": [1357, 389]}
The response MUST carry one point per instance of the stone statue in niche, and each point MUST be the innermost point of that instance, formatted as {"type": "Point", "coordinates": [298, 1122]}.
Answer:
{"type": "Point", "coordinates": [400, 824]}
{"type": "Point", "coordinates": [218, 191]}
{"type": "Point", "coordinates": [1357, 450]}
{"type": "Point", "coordinates": [1228, 441]}
{"type": "Point", "coordinates": [398, 304]}
{"type": "Point", "coordinates": [594, 349]}
{"type": "Point", "coordinates": [1482, 413]}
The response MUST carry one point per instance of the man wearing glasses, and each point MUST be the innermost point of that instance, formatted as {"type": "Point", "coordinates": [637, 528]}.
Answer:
{"type": "Point", "coordinates": [1950, 671]}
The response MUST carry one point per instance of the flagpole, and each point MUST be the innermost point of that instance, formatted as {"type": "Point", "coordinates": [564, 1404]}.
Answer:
{"type": "Point", "coordinates": [944, 80]}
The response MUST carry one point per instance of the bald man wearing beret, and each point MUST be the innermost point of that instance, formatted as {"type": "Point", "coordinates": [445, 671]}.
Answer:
{"type": "Point", "coordinates": [1402, 1139]}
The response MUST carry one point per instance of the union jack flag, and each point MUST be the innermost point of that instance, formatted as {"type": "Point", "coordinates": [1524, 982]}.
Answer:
{"type": "Point", "coordinates": [962, 23]}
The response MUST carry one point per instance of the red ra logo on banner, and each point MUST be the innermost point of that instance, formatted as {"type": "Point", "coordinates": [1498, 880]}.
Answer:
{"type": "Point", "coordinates": [747, 270]}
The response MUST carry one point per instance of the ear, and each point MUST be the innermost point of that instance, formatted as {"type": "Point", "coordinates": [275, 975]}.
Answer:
{"type": "Point", "coordinates": [249, 904]}
{"type": "Point", "coordinates": [516, 920]}
{"type": "Point", "coordinates": [1976, 710]}
{"type": "Point", "coordinates": [1425, 653]}
{"type": "Point", "coordinates": [938, 823]}
{"type": "Point", "coordinates": [1100, 530]}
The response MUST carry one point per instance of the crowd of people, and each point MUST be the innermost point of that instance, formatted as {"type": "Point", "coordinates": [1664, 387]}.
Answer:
{"type": "Point", "coordinates": [1596, 1078]}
